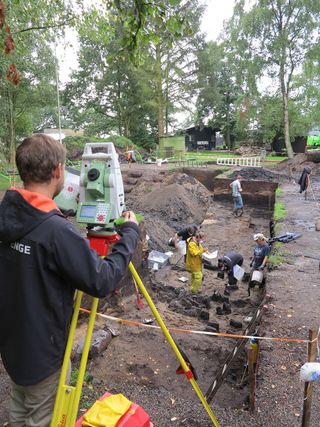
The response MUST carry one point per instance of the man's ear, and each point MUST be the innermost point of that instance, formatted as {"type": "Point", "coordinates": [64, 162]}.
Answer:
{"type": "Point", "coordinates": [58, 171]}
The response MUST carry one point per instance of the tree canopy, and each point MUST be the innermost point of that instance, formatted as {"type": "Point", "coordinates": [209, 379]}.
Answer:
{"type": "Point", "coordinates": [142, 62]}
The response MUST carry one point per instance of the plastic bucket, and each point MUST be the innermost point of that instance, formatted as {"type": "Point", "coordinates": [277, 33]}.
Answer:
{"type": "Point", "coordinates": [257, 276]}
{"type": "Point", "coordinates": [238, 272]}
{"type": "Point", "coordinates": [182, 247]}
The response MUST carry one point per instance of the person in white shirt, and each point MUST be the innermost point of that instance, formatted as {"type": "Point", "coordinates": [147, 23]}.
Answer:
{"type": "Point", "coordinates": [236, 195]}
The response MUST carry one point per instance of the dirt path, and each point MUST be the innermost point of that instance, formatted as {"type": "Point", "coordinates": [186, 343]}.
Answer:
{"type": "Point", "coordinates": [294, 308]}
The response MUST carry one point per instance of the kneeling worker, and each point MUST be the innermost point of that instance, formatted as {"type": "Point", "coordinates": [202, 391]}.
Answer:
{"type": "Point", "coordinates": [194, 260]}
{"type": "Point", "coordinates": [227, 263]}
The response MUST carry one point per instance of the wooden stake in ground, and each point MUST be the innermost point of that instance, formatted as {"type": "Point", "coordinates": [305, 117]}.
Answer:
{"type": "Point", "coordinates": [308, 388]}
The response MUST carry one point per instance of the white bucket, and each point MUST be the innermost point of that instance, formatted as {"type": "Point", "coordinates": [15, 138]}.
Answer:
{"type": "Point", "coordinates": [257, 276]}
{"type": "Point", "coordinates": [182, 247]}
{"type": "Point", "coordinates": [310, 371]}
{"type": "Point", "coordinates": [210, 257]}
{"type": "Point", "coordinates": [238, 272]}
{"type": "Point", "coordinates": [159, 162]}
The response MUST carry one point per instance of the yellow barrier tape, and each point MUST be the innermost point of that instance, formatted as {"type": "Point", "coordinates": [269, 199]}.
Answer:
{"type": "Point", "coordinates": [190, 331]}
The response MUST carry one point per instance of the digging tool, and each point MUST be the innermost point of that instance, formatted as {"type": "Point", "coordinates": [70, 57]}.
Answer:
{"type": "Point", "coordinates": [139, 302]}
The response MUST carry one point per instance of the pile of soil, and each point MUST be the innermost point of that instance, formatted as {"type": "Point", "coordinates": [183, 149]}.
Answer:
{"type": "Point", "coordinates": [248, 150]}
{"type": "Point", "coordinates": [258, 174]}
{"type": "Point", "coordinates": [295, 166]}
{"type": "Point", "coordinates": [167, 206]}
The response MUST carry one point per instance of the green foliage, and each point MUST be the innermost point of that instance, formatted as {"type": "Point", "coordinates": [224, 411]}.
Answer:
{"type": "Point", "coordinates": [121, 141]}
{"type": "Point", "coordinates": [137, 99]}
{"type": "Point", "coordinates": [34, 24]}
{"type": "Point", "coordinates": [4, 183]}
{"type": "Point", "coordinates": [219, 92]}
{"type": "Point", "coordinates": [278, 192]}
{"type": "Point", "coordinates": [277, 255]}
{"type": "Point", "coordinates": [74, 377]}
{"type": "Point", "coordinates": [75, 144]}
{"type": "Point", "coordinates": [279, 211]}
{"type": "Point", "coordinates": [283, 35]}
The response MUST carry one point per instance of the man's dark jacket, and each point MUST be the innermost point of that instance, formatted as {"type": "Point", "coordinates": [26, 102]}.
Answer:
{"type": "Point", "coordinates": [43, 259]}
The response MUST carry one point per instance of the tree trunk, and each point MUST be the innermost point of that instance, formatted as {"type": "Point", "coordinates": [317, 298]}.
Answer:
{"type": "Point", "coordinates": [160, 94]}
{"type": "Point", "coordinates": [167, 97]}
{"type": "Point", "coordinates": [285, 103]}
{"type": "Point", "coordinates": [119, 110]}
{"type": "Point", "coordinates": [228, 139]}
{"type": "Point", "coordinates": [11, 136]}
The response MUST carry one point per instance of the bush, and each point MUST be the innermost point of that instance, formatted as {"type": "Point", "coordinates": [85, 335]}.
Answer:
{"type": "Point", "coordinates": [75, 144]}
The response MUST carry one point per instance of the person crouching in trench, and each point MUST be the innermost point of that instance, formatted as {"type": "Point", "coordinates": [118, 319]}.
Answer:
{"type": "Point", "coordinates": [194, 260]}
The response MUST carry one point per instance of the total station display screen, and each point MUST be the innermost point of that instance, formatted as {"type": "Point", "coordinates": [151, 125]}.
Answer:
{"type": "Point", "coordinates": [88, 211]}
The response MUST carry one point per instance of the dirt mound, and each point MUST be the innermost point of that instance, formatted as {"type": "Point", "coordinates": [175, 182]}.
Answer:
{"type": "Point", "coordinates": [171, 204]}
{"type": "Point", "coordinates": [248, 150]}
{"type": "Point", "coordinates": [258, 174]}
{"type": "Point", "coordinates": [299, 162]}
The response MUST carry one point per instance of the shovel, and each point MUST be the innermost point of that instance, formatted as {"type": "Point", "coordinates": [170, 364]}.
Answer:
{"type": "Point", "coordinates": [139, 302]}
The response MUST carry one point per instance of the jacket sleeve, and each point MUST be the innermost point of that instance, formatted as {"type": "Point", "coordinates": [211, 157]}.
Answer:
{"type": "Point", "coordinates": [81, 268]}
{"type": "Point", "coordinates": [194, 249]}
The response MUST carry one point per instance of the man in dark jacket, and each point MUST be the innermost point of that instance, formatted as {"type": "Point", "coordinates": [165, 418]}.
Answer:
{"type": "Point", "coordinates": [43, 260]}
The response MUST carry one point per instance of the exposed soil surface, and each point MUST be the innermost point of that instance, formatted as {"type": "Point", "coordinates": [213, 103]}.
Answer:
{"type": "Point", "coordinates": [255, 174]}
{"type": "Point", "coordinates": [139, 362]}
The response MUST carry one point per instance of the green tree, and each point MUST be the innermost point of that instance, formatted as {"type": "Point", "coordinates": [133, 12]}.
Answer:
{"type": "Point", "coordinates": [135, 98]}
{"type": "Point", "coordinates": [32, 25]}
{"type": "Point", "coordinates": [173, 58]}
{"type": "Point", "coordinates": [108, 93]}
{"type": "Point", "coordinates": [219, 93]}
{"type": "Point", "coordinates": [277, 36]}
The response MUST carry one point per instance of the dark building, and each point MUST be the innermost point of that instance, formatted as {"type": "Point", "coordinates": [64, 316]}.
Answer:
{"type": "Point", "coordinates": [203, 138]}
{"type": "Point", "coordinates": [298, 144]}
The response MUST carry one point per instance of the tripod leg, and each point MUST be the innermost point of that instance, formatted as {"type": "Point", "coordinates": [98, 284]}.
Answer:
{"type": "Point", "coordinates": [173, 345]}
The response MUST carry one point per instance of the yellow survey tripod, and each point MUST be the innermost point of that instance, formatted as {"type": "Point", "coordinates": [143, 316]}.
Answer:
{"type": "Point", "coordinates": [68, 397]}
{"type": "Point", "coordinates": [101, 201]}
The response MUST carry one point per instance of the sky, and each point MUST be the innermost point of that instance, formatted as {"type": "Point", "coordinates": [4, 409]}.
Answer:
{"type": "Point", "coordinates": [217, 11]}
{"type": "Point", "coordinates": [212, 23]}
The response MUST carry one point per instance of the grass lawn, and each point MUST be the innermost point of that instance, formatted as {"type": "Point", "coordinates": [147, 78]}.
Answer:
{"type": "Point", "coordinates": [4, 183]}
{"type": "Point", "coordinates": [206, 156]}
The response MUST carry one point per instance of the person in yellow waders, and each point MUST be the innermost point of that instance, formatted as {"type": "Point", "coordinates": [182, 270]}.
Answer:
{"type": "Point", "coordinates": [194, 260]}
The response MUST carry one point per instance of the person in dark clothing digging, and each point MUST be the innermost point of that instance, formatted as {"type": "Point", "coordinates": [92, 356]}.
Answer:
{"type": "Point", "coordinates": [43, 260]}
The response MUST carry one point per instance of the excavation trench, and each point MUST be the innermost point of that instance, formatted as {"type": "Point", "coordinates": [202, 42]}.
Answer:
{"type": "Point", "coordinates": [146, 362]}
{"type": "Point", "coordinates": [139, 362]}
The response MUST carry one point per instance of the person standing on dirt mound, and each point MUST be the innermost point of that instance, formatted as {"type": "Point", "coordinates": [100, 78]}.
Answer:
{"type": "Point", "coordinates": [43, 260]}
{"type": "Point", "coordinates": [194, 260]}
{"type": "Point", "coordinates": [236, 195]}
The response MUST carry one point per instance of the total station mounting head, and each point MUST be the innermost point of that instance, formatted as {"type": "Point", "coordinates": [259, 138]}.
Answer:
{"type": "Point", "coordinates": [101, 187]}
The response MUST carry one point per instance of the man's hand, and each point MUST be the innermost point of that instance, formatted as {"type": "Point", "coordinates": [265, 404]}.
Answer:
{"type": "Point", "coordinates": [261, 268]}
{"type": "Point", "coordinates": [130, 216]}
